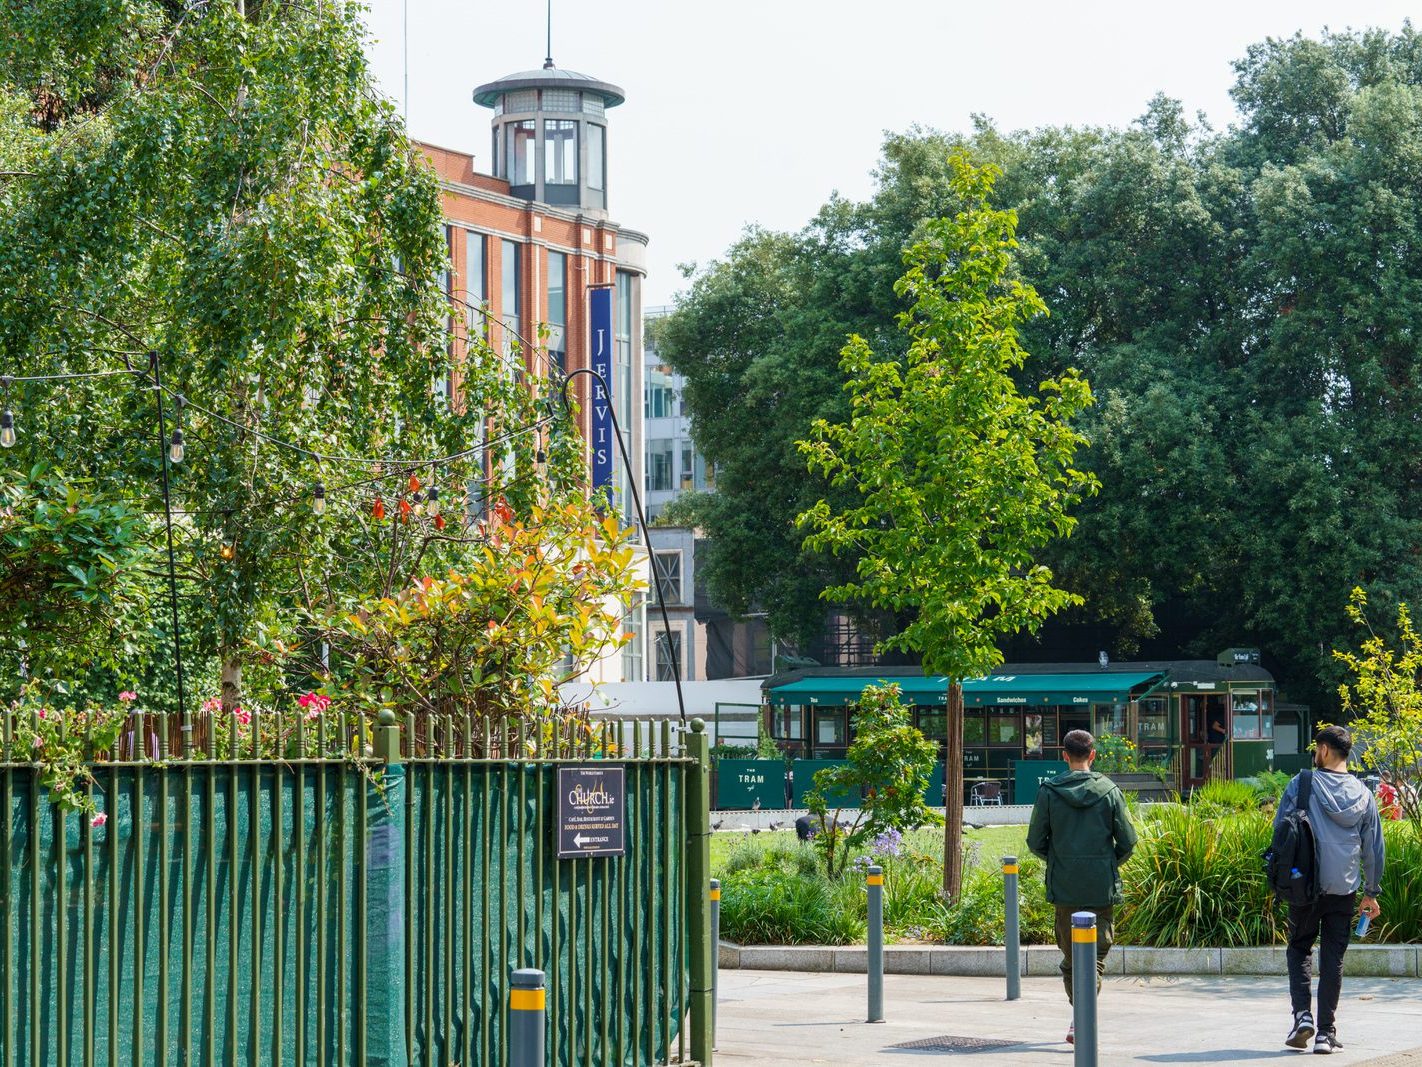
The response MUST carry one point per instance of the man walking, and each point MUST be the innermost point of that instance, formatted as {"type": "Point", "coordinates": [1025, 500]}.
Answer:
{"type": "Point", "coordinates": [1080, 827]}
{"type": "Point", "coordinates": [1348, 840]}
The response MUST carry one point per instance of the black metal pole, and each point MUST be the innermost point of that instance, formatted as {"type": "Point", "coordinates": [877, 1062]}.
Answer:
{"type": "Point", "coordinates": [155, 373]}
{"type": "Point", "coordinates": [641, 519]}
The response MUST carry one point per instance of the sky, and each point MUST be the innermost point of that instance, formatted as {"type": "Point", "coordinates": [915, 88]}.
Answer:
{"type": "Point", "coordinates": [753, 112]}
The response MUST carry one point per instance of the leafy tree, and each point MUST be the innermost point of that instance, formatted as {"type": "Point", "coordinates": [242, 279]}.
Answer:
{"type": "Point", "coordinates": [1382, 694]}
{"type": "Point", "coordinates": [889, 766]}
{"type": "Point", "coordinates": [75, 588]}
{"type": "Point", "coordinates": [219, 184]}
{"type": "Point", "coordinates": [958, 479]}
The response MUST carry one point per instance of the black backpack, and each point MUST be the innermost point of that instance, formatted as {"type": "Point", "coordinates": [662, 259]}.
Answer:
{"type": "Point", "coordinates": [1291, 863]}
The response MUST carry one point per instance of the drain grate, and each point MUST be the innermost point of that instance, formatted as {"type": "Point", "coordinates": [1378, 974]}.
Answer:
{"type": "Point", "coordinates": [950, 1043]}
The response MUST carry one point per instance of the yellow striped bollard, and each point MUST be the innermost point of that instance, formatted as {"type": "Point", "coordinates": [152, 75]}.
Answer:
{"type": "Point", "coordinates": [527, 1018]}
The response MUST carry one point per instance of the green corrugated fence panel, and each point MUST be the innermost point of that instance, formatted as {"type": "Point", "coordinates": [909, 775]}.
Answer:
{"type": "Point", "coordinates": [261, 914]}
{"type": "Point", "coordinates": [609, 932]}
{"type": "Point", "coordinates": [84, 954]}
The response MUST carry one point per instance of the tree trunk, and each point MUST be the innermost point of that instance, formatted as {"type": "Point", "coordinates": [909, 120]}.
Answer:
{"type": "Point", "coordinates": [953, 794]}
{"type": "Point", "coordinates": [231, 680]}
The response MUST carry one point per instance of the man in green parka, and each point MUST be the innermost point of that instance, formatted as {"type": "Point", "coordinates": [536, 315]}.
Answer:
{"type": "Point", "coordinates": [1080, 827]}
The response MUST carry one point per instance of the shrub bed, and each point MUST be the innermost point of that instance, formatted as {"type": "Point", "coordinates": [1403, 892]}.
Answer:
{"type": "Point", "coordinates": [1196, 880]}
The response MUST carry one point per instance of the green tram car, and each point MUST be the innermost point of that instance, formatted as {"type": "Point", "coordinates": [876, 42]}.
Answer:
{"type": "Point", "coordinates": [1192, 720]}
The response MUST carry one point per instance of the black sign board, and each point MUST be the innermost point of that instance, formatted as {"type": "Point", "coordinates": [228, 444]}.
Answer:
{"type": "Point", "coordinates": [592, 810]}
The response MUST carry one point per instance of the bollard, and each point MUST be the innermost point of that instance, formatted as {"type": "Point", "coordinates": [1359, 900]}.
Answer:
{"type": "Point", "coordinates": [875, 883]}
{"type": "Point", "coordinates": [716, 953]}
{"type": "Point", "coordinates": [526, 1019]}
{"type": "Point", "coordinates": [1013, 940]}
{"type": "Point", "coordinates": [1083, 986]}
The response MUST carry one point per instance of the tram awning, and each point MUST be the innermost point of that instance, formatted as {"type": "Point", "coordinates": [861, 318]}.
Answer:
{"type": "Point", "coordinates": [997, 690]}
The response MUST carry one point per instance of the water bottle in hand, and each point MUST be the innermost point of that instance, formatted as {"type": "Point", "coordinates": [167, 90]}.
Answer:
{"type": "Point", "coordinates": [1362, 927]}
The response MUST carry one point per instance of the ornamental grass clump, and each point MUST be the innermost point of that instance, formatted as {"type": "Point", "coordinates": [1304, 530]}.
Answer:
{"type": "Point", "coordinates": [1223, 795]}
{"type": "Point", "coordinates": [1196, 880]}
{"type": "Point", "coordinates": [772, 906]}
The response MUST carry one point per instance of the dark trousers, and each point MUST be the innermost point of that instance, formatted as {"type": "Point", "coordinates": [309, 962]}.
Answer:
{"type": "Point", "coordinates": [1105, 938]}
{"type": "Point", "coordinates": [1328, 920]}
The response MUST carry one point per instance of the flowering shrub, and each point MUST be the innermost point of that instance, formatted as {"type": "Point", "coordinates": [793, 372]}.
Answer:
{"type": "Point", "coordinates": [62, 742]}
{"type": "Point", "coordinates": [1116, 755]}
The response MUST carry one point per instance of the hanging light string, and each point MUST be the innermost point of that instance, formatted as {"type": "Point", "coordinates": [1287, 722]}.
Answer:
{"type": "Point", "coordinates": [399, 470]}
{"type": "Point", "coordinates": [181, 401]}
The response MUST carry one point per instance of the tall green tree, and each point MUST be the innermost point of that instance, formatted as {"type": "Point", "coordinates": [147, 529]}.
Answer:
{"type": "Point", "coordinates": [957, 479]}
{"type": "Point", "coordinates": [220, 185]}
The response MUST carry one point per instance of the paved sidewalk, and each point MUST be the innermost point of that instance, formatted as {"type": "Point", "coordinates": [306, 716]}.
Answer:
{"type": "Point", "coordinates": [778, 1017]}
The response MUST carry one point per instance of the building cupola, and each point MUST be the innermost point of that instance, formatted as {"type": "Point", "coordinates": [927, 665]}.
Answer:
{"type": "Point", "coordinates": [550, 135]}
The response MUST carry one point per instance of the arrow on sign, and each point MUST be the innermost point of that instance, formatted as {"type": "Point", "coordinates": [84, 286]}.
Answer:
{"type": "Point", "coordinates": [579, 839]}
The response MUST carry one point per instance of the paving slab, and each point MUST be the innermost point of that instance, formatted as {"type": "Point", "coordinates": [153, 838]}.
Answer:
{"type": "Point", "coordinates": [775, 1017]}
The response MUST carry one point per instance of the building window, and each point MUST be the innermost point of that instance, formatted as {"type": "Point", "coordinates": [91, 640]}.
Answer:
{"type": "Point", "coordinates": [510, 296]}
{"type": "Point", "coordinates": [476, 291]}
{"type": "Point", "coordinates": [558, 311]}
{"type": "Point", "coordinates": [597, 136]}
{"type": "Point", "coordinates": [562, 100]}
{"type": "Point", "coordinates": [560, 152]}
{"type": "Point", "coordinates": [669, 661]}
{"type": "Point", "coordinates": [1004, 728]}
{"type": "Point", "coordinates": [686, 476]}
{"type": "Point", "coordinates": [660, 394]}
{"type": "Point", "coordinates": [522, 146]}
{"type": "Point", "coordinates": [441, 385]}
{"type": "Point", "coordinates": [1253, 718]}
{"type": "Point", "coordinates": [593, 105]}
{"type": "Point", "coordinates": [659, 466]}
{"type": "Point", "coordinates": [632, 670]}
{"type": "Point", "coordinates": [668, 570]}
{"type": "Point", "coordinates": [523, 100]}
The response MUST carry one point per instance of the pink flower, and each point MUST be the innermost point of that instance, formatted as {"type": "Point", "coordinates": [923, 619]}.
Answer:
{"type": "Point", "coordinates": [98, 820]}
{"type": "Point", "coordinates": [314, 703]}
{"type": "Point", "coordinates": [43, 714]}
{"type": "Point", "coordinates": [128, 696]}
{"type": "Point", "coordinates": [244, 717]}
{"type": "Point", "coordinates": [212, 706]}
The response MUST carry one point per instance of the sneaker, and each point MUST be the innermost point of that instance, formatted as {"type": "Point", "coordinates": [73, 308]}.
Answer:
{"type": "Point", "coordinates": [1302, 1031]}
{"type": "Point", "coordinates": [1326, 1042]}
{"type": "Point", "coordinates": [1071, 1034]}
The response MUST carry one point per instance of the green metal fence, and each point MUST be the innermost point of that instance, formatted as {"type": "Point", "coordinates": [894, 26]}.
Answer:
{"type": "Point", "coordinates": [324, 910]}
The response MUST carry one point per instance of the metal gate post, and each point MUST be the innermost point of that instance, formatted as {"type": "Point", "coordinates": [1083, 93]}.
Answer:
{"type": "Point", "coordinates": [385, 902]}
{"type": "Point", "coordinates": [698, 868]}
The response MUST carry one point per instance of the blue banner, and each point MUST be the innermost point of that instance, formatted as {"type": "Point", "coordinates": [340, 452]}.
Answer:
{"type": "Point", "coordinates": [600, 360]}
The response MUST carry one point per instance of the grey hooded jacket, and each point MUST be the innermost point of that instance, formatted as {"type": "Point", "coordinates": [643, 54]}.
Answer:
{"type": "Point", "coordinates": [1346, 830]}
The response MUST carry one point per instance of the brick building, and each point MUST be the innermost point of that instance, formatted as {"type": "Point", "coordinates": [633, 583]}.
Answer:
{"type": "Point", "coordinates": [529, 239]}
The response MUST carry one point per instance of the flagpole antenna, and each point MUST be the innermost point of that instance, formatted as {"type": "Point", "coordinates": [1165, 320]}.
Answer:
{"type": "Point", "coordinates": [548, 58]}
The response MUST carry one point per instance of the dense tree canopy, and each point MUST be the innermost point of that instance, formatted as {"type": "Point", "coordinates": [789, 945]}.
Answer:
{"type": "Point", "coordinates": [218, 184]}
{"type": "Point", "coordinates": [1244, 302]}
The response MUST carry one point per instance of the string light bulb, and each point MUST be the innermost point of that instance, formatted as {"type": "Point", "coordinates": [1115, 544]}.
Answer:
{"type": "Point", "coordinates": [228, 551]}
{"type": "Point", "coordinates": [7, 418]}
{"type": "Point", "coordinates": [318, 499]}
{"type": "Point", "coordinates": [175, 446]}
{"type": "Point", "coordinates": [432, 501]}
